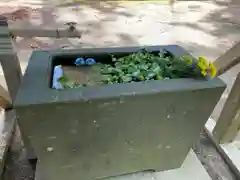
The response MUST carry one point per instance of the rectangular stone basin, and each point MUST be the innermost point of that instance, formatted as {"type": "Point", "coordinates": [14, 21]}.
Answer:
{"type": "Point", "coordinates": [107, 130]}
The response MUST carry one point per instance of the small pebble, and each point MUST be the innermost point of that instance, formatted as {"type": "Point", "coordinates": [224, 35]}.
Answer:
{"type": "Point", "coordinates": [169, 116]}
{"type": "Point", "coordinates": [49, 149]}
{"type": "Point", "coordinates": [168, 147]}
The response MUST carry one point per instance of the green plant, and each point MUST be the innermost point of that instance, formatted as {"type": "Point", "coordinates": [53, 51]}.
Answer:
{"type": "Point", "coordinates": [67, 83]}
{"type": "Point", "coordinates": [144, 66]}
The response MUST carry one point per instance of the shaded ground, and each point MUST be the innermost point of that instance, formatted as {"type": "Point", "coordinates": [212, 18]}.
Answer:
{"type": "Point", "coordinates": [203, 28]}
{"type": "Point", "coordinates": [212, 160]}
{"type": "Point", "coordinates": [17, 165]}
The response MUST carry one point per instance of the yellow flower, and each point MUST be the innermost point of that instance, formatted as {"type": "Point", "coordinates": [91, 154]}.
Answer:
{"type": "Point", "coordinates": [212, 70]}
{"type": "Point", "coordinates": [188, 59]}
{"type": "Point", "coordinates": [204, 72]}
{"type": "Point", "coordinates": [202, 63]}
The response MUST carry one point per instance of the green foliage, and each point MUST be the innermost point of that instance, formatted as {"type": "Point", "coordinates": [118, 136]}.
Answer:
{"type": "Point", "coordinates": [67, 83]}
{"type": "Point", "coordinates": [144, 66]}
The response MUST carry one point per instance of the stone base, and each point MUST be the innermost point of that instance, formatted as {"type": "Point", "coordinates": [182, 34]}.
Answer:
{"type": "Point", "coordinates": [190, 169]}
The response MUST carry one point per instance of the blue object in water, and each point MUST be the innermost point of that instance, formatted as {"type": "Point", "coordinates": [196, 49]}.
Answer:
{"type": "Point", "coordinates": [90, 61]}
{"type": "Point", "coordinates": [79, 62]}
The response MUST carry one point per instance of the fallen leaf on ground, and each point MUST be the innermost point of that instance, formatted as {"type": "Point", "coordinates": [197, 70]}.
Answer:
{"type": "Point", "coordinates": [35, 46]}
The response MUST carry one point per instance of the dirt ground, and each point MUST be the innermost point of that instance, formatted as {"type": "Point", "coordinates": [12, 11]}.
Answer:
{"type": "Point", "coordinates": [206, 28]}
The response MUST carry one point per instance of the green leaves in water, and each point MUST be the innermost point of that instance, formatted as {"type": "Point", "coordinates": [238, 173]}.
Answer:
{"type": "Point", "coordinates": [67, 83]}
{"type": "Point", "coordinates": [144, 66]}
{"type": "Point", "coordinates": [141, 66]}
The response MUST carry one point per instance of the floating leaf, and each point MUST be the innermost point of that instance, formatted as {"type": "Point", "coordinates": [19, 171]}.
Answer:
{"type": "Point", "coordinates": [136, 73]}
{"type": "Point", "coordinates": [107, 77]}
{"type": "Point", "coordinates": [158, 77]}
{"type": "Point", "coordinates": [151, 75]}
{"type": "Point", "coordinates": [143, 67]}
{"type": "Point", "coordinates": [114, 59]}
{"type": "Point", "coordinates": [132, 69]}
{"type": "Point", "coordinates": [126, 78]}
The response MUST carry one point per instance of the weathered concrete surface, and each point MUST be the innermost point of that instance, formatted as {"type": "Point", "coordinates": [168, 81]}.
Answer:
{"type": "Point", "coordinates": [100, 138]}
{"type": "Point", "coordinates": [190, 165]}
{"type": "Point", "coordinates": [18, 167]}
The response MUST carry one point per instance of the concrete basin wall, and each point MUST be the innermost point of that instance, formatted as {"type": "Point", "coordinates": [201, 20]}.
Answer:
{"type": "Point", "coordinates": [103, 131]}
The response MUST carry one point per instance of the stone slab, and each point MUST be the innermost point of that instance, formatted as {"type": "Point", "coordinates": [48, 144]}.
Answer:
{"type": "Point", "coordinates": [191, 167]}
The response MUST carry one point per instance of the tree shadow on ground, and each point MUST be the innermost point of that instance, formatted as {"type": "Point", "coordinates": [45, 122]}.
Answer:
{"type": "Point", "coordinates": [225, 14]}
{"type": "Point", "coordinates": [227, 2]}
{"type": "Point", "coordinates": [221, 23]}
{"type": "Point", "coordinates": [99, 5]}
{"type": "Point", "coordinates": [202, 50]}
{"type": "Point", "coordinates": [217, 29]}
{"type": "Point", "coordinates": [45, 17]}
